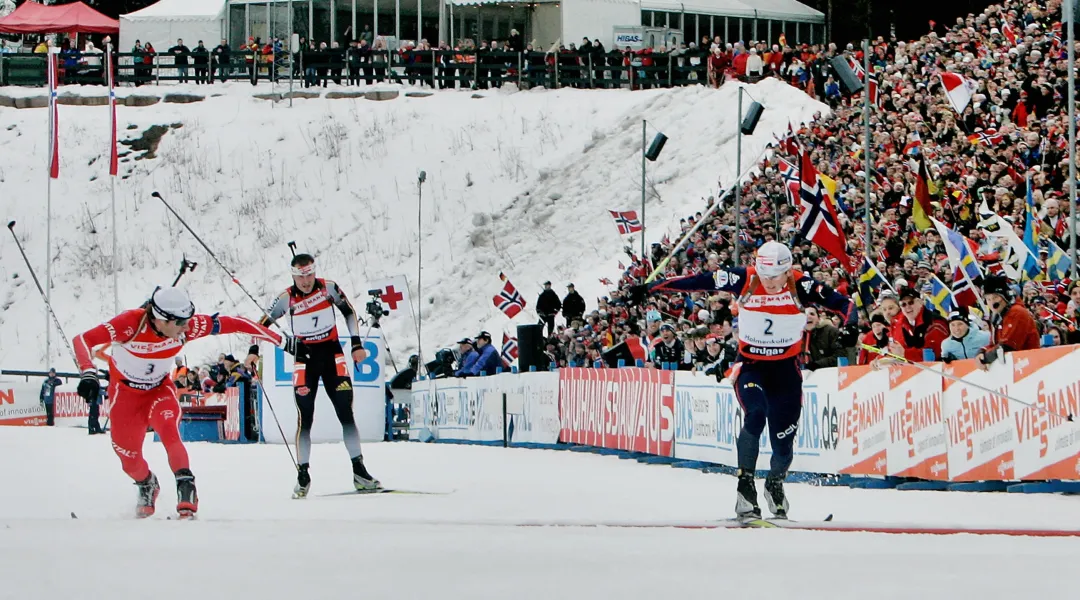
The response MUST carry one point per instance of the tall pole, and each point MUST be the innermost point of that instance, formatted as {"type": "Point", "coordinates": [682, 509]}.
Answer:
{"type": "Point", "coordinates": [643, 125]}
{"type": "Point", "coordinates": [1070, 12]}
{"type": "Point", "coordinates": [292, 52]}
{"type": "Point", "coordinates": [419, 264]}
{"type": "Point", "coordinates": [48, 209]}
{"type": "Point", "coordinates": [866, 143]}
{"type": "Point", "coordinates": [738, 182]}
{"type": "Point", "coordinates": [112, 179]}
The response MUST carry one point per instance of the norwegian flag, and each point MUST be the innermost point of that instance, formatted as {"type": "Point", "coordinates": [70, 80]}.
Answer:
{"type": "Point", "coordinates": [508, 300]}
{"type": "Point", "coordinates": [114, 159]}
{"type": "Point", "coordinates": [874, 91]}
{"type": "Point", "coordinates": [626, 221]}
{"type": "Point", "coordinates": [883, 255]}
{"type": "Point", "coordinates": [622, 267]}
{"type": "Point", "coordinates": [790, 173]}
{"type": "Point", "coordinates": [1009, 32]}
{"type": "Point", "coordinates": [54, 117]}
{"type": "Point", "coordinates": [509, 349]}
{"type": "Point", "coordinates": [818, 221]}
{"type": "Point", "coordinates": [855, 66]}
{"type": "Point", "coordinates": [606, 281]}
{"type": "Point", "coordinates": [990, 137]}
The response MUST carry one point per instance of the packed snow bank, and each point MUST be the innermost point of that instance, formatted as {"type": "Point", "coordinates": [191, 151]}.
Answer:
{"type": "Point", "coordinates": [516, 182]}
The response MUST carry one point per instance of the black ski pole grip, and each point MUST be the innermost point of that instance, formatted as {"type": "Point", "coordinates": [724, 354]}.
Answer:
{"type": "Point", "coordinates": [11, 225]}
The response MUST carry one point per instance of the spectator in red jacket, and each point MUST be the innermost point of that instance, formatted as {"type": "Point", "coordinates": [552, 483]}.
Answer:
{"type": "Point", "coordinates": [1012, 326]}
{"type": "Point", "coordinates": [877, 337]}
{"type": "Point", "coordinates": [916, 328]}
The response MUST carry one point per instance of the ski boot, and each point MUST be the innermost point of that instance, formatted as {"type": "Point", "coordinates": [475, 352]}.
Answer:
{"type": "Point", "coordinates": [746, 505]}
{"type": "Point", "coordinates": [148, 493]}
{"type": "Point", "coordinates": [775, 497]}
{"type": "Point", "coordinates": [187, 499]}
{"type": "Point", "coordinates": [363, 480]}
{"type": "Point", "coordinates": [303, 482]}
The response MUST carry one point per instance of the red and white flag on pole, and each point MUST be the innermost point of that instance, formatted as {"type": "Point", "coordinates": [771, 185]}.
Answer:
{"type": "Point", "coordinates": [113, 158]}
{"type": "Point", "coordinates": [508, 300]}
{"type": "Point", "coordinates": [959, 91]}
{"type": "Point", "coordinates": [52, 68]}
{"type": "Point", "coordinates": [627, 221]}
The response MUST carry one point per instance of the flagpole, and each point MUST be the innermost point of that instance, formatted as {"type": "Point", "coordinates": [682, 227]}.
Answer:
{"type": "Point", "coordinates": [738, 182]}
{"type": "Point", "coordinates": [1069, 11]}
{"type": "Point", "coordinates": [644, 124]}
{"type": "Point", "coordinates": [866, 144]}
{"type": "Point", "coordinates": [112, 178]}
{"type": "Point", "coordinates": [51, 77]}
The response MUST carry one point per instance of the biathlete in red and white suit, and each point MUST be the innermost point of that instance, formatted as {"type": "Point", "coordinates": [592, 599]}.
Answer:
{"type": "Point", "coordinates": [144, 342]}
{"type": "Point", "coordinates": [767, 377]}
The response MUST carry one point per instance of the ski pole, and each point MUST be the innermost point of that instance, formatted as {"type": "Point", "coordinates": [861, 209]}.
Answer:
{"type": "Point", "coordinates": [258, 382]}
{"type": "Point", "coordinates": [48, 306]}
{"type": "Point", "coordinates": [185, 266]}
{"type": "Point", "coordinates": [216, 259]}
{"type": "Point", "coordinates": [887, 354]}
{"type": "Point", "coordinates": [250, 297]}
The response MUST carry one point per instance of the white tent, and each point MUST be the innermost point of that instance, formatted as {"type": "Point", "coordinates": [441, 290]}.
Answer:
{"type": "Point", "coordinates": [166, 21]}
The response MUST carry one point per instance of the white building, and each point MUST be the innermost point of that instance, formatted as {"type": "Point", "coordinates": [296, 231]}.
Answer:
{"type": "Point", "coordinates": [544, 22]}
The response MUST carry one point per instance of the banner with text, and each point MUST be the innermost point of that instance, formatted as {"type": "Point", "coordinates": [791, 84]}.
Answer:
{"type": "Point", "coordinates": [625, 409]}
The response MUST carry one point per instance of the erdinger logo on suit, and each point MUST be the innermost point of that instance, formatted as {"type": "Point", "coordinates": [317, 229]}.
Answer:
{"type": "Point", "coordinates": [303, 390]}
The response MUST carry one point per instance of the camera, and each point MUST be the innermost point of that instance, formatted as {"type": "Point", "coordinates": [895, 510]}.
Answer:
{"type": "Point", "coordinates": [374, 306]}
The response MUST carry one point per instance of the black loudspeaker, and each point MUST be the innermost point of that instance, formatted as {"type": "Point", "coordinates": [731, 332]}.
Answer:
{"type": "Point", "coordinates": [848, 78]}
{"type": "Point", "coordinates": [531, 348]}
{"type": "Point", "coordinates": [749, 122]}
{"type": "Point", "coordinates": [655, 147]}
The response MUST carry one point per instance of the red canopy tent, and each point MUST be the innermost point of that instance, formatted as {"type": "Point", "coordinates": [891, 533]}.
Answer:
{"type": "Point", "coordinates": [76, 17]}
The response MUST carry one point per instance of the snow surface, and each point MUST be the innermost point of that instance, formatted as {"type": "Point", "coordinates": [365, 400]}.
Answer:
{"type": "Point", "coordinates": [518, 182]}
{"type": "Point", "coordinates": [253, 541]}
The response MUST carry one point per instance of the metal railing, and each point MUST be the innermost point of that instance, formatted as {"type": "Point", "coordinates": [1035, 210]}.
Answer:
{"type": "Point", "coordinates": [443, 69]}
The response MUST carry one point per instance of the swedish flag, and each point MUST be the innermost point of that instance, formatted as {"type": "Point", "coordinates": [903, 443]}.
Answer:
{"type": "Point", "coordinates": [1058, 263]}
{"type": "Point", "coordinates": [940, 297]}
{"type": "Point", "coordinates": [870, 281]}
{"type": "Point", "coordinates": [1031, 235]}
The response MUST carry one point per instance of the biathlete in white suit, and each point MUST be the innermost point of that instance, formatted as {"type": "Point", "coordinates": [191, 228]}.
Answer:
{"type": "Point", "coordinates": [767, 375]}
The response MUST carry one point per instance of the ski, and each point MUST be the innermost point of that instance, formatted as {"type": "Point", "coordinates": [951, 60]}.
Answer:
{"type": "Point", "coordinates": [383, 491]}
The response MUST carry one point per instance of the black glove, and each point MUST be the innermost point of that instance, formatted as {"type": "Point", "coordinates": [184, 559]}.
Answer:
{"type": "Point", "coordinates": [357, 343]}
{"type": "Point", "coordinates": [290, 345]}
{"type": "Point", "coordinates": [89, 386]}
{"type": "Point", "coordinates": [990, 355]}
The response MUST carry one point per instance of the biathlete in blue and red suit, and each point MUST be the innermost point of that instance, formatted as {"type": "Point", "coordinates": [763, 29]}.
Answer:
{"type": "Point", "coordinates": [767, 375]}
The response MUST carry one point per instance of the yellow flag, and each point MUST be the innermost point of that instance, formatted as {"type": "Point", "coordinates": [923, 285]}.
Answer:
{"type": "Point", "coordinates": [830, 188]}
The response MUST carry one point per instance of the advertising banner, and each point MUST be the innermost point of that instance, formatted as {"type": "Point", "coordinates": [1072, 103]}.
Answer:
{"type": "Point", "coordinates": [917, 444]}
{"type": "Point", "coordinates": [625, 409]}
{"type": "Point", "coordinates": [708, 418]}
{"type": "Point", "coordinates": [369, 396]}
{"type": "Point", "coordinates": [863, 428]}
{"type": "Point", "coordinates": [982, 435]}
{"type": "Point", "coordinates": [1047, 445]}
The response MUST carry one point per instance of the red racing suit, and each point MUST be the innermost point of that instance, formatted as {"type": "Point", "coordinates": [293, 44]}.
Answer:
{"type": "Point", "coordinates": [139, 385]}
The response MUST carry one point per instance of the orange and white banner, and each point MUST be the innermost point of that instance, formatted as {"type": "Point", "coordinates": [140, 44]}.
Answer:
{"type": "Point", "coordinates": [982, 435]}
{"type": "Point", "coordinates": [917, 443]}
{"type": "Point", "coordinates": [1047, 445]}
{"type": "Point", "coordinates": [863, 429]}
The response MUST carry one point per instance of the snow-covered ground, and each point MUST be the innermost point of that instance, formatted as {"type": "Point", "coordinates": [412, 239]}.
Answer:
{"type": "Point", "coordinates": [516, 182]}
{"type": "Point", "coordinates": [253, 540]}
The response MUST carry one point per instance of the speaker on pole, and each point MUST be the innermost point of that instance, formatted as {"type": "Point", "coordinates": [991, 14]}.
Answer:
{"type": "Point", "coordinates": [848, 78]}
{"type": "Point", "coordinates": [655, 147]}
{"type": "Point", "coordinates": [531, 348]}
{"type": "Point", "coordinates": [753, 115]}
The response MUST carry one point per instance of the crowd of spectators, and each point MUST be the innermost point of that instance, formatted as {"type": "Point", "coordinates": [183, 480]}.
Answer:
{"type": "Point", "coordinates": [1015, 55]}
{"type": "Point", "coordinates": [227, 372]}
